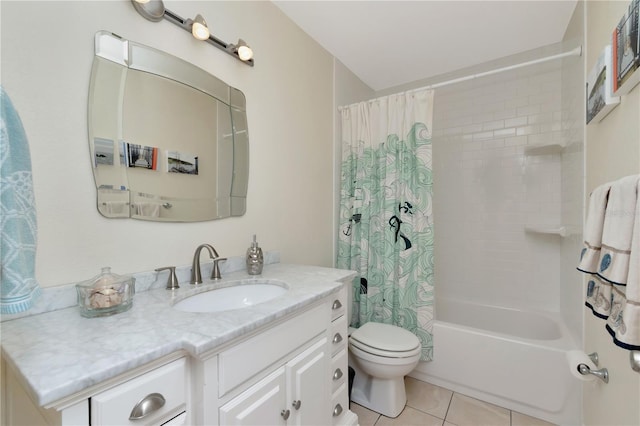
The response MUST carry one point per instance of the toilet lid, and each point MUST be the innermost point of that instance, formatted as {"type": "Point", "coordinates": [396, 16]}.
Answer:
{"type": "Point", "coordinates": [386, 337]}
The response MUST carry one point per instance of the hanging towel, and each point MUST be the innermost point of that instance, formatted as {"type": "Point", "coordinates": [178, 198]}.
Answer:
{"type": "Point", "coordinates": [624, 322]}
{"type": "Point", "coordinates": [116, 208]}
{"type": "Point", "coordinates": [590, 256]}
{"type": "Point", "coordinates": [146, 209]}
{"type": "Point", "coordinates": [613, 287]}
{"type": "Point", "coordinates": [599, 296]}
{"type": "Point", "coordinates": [18, 286]}
{"type": "Point", "coordinates": [618, 230]}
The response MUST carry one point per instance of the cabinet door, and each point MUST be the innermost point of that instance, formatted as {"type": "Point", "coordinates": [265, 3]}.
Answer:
{"type": "Point", "coordinates": [262, 404]}
{"type": "Point", "coordinates": [308, 376]}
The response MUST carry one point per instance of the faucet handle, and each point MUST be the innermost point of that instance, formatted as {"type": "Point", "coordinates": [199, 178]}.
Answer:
{"type": "Point", "coordinates": [172, 282]}
{"type": "Point", "coordinates": [215, 272]}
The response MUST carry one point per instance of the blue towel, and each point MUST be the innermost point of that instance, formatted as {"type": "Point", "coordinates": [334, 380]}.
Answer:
{"type": "Point", "coordinates": [18, 286]}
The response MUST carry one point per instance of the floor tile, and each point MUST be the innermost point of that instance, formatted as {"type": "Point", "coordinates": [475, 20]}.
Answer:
{"type": "Point", "coordinates": [410, 417]}
{"type": "Point", "coordinates": [465, 411]}
{"type": "Point", "coordinates": [366, 417]}
{"type": "Point", "coordinates": [519, 419]}
{"type": "Point", "coordinates": [428, 398]}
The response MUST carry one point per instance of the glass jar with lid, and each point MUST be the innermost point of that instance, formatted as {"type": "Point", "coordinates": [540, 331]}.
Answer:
{"type": "Point", "coordinates": [105, 294]}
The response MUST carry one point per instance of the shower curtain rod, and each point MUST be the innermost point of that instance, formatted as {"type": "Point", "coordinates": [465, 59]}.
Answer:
{"type": "Point", "coordinates": [575, 52]}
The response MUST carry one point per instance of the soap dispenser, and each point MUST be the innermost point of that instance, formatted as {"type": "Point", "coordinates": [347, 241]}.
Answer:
{"type": "Point", "coordinates": [255, 260]}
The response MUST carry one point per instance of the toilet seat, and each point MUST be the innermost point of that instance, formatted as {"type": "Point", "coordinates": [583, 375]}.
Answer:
{"type": "Point", "coordinates": [385, 340]}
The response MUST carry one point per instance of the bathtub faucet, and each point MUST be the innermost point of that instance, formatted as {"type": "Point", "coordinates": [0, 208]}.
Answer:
{"type": "Point", "coordinates": [602, 374]}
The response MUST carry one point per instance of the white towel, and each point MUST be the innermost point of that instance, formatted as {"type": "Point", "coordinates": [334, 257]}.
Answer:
{"type": "Point", "coordinates": [599, 297]}
{"type": "Point", "coordinates": [590, 256]}
{"type": "Point", "coordinates": [116, 208]}
{"type": "Point", "coordinates": [146, 209]}
{"type": "Point", "coordinates": [618, 230]}
{"type": "Point", "coordinates": [624, 321]}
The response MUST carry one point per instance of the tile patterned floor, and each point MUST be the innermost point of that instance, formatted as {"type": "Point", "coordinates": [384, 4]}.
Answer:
{"type": "Point", "coordinates": [430, 405]}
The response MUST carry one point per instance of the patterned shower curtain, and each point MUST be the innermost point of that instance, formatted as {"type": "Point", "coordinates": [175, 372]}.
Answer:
{"type": "Point", "coordinates": [386, 227]}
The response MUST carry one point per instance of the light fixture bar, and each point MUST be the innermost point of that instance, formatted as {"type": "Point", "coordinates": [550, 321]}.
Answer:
{"type": "Point", "coordinates": [185, 24]}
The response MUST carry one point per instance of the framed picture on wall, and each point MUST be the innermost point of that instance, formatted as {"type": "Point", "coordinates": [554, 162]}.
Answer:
{"type": "Point", "coordinates": [145, 157]}
{"type": "Point", "coordinates": [625, 43]}
{"type": "Point", "coordinates": [600, 101]}
{"type": "Point", "coordinates": [182, 162]}
{"type": "Point", "coordinates": [103, 149]}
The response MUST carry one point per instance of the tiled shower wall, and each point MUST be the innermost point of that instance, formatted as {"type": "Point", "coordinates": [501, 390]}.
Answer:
{"type": "Point", "coordinates": [498, 172]}
{"type": "Point", "coordinates": [573, 183]}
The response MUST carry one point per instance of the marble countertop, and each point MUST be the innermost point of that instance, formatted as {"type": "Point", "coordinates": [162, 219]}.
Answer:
{"type": "Point", "coordinates": [60, 353]}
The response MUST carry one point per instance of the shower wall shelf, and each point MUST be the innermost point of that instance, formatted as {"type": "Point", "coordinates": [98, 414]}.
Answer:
{"type": "Point", "coordinates": [563, 231]}
{"type": "Point", "coordinates": [544, 149]}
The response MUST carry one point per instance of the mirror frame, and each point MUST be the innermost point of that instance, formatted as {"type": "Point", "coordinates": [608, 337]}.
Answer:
{"type": "Point", "coordinates": [134, 56]}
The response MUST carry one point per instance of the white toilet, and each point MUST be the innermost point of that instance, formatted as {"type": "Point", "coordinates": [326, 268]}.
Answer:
{"type": "Point", "coordinates": [381, 356]}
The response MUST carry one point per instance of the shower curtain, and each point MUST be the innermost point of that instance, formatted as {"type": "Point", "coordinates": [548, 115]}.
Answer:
{"type": "Point", "coordinates": [386, 227]}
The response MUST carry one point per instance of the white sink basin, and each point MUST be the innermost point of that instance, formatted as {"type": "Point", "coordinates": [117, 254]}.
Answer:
{"type": "Point", "coordinates": [241, 295]}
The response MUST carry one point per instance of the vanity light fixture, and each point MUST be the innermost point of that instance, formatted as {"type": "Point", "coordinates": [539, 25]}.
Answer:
{"type": "Point", "coordinates": [199, 28]}
{"type": "Point", "coordinates": [154, 11]}
{"type": "Point", "coordinates": [243, 50]}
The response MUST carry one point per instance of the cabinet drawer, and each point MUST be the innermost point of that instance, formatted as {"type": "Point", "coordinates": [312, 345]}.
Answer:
{"type": "Point", "coordinates": [245, 360]}
{"type": "Point", "coordinates": [167, 383]}
{"type": "Point", "coordinates": [339, 370]}
{"type": "Point", "coordinates": [339, 303]}
{"type": "Point", "coordinates": [339, 404]}
{"type": "Point", "coordinates": [338, 335]}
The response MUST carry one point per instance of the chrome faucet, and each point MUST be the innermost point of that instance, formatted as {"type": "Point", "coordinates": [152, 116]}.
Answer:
{"type": "Point", "coordinates": [196, 274]}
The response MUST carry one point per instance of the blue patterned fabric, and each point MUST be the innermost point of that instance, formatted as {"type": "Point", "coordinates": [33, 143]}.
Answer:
{"type": "Point", "coordinates": [17, 215]}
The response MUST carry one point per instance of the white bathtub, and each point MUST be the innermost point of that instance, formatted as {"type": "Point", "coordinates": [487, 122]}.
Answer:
{"type": "Point", "coordinates": [511, 358]}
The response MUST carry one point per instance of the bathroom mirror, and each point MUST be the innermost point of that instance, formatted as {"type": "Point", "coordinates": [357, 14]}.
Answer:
{"type": "Point", "coordinates": [168, 140]}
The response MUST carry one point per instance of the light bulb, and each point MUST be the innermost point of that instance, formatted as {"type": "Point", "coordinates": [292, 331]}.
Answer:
{"type": "Point", "coordinates": [244, 52]}
{"type": "Point", "coordinates": [199, 28]}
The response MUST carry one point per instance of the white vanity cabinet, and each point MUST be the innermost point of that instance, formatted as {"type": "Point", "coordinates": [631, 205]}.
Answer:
{"type": "Point", "coordinates": [160, 392]}
{"type": "Point", "coordinates": [292, 374]}
{"type": "Point", "coordinates": [291, 371]}
{"type": "Point", "coordinates": [339, 364]}
{"type": "Point", "coordinates": [280, 376]}
{"type": "Point", "coordinates": [291, 395]}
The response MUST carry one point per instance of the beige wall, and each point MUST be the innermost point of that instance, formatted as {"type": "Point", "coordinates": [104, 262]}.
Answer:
{"type": "Point", "coordinates": [612, 152]}
{"type": "Point", "coordinates": [290, 110]}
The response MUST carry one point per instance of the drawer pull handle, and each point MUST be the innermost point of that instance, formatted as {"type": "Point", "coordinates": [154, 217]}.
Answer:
{"type": "Point", "coordinates": [337, 338]}
{"type": "Point", "coordinates": [285, 414]}
{"type": "Point", "coordinates": [336, 305]}
{"type": "Point", "coordinates": [337, 411]}
{"type": "Point", "coordinates": [149, 404]}
{"type": "Point", "coordinates": [296, 404]}
{"type": "Point", "coordinates": [337, 374]}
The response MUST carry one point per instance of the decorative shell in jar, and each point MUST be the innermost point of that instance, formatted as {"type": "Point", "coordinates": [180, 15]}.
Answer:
{"type": "Point", "coordinates": [105, 294]}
